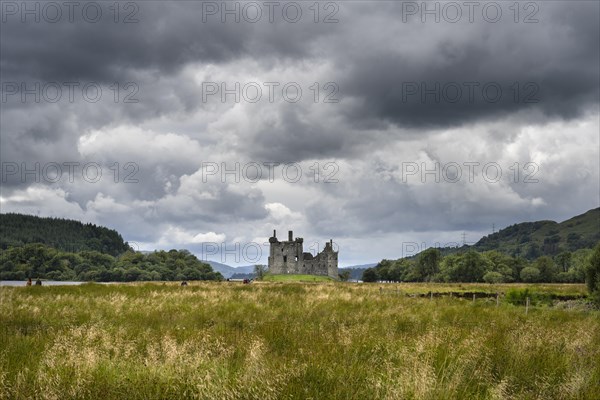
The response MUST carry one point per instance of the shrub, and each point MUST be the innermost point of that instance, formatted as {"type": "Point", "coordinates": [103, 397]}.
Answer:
{"type": "Point", "coordinates": [592, 275]}
{"type": "Point", "coordinates": [370, 275]}
{"type": "Point", "coordinates": [518, 297]}
{"type": "Point", "coordinates": [493, 277]}
{"type": "Point", "coordinates": [530, 274]}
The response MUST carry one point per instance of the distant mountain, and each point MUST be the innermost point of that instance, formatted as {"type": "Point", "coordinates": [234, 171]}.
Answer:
{"type": "Point", "coordinates": [360, 266]}
{"type": "Point", "coordinates": [228, 271]}
{"type": "Point", "coordinates": [356, 271]}
{"type": "Point", "coordinates": [63, 234]}
{"type": "Point", "coordinates": [534, 239]}
{"type": "Point", "coordinates": [247, 269]}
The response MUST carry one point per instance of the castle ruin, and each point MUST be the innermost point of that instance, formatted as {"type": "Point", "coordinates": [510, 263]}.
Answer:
{"type": "Point", "coordinates": [288, 257]}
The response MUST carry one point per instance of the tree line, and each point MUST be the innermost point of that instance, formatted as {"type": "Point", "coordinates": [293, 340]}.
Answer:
{"type": "Point", "coordinates": [37, 260]}
{"type": "Point", "coordinates": [488, 266]}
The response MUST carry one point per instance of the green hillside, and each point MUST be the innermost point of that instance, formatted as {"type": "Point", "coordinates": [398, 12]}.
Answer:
{"type": "Point", "coordinates": [534, 239]}
{"type": "Point", "coordinates": [531, 252]}
{"type": "Point", "coordinates": [62, 234]}
{"type": "Point", "coordinates": [62, 250]}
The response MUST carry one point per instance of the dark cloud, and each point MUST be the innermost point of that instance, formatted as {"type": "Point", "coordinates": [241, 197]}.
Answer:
{"type": "Point", "coordinates": [165, 38]}
{"type": "Point", "coordinates": [427, 82]}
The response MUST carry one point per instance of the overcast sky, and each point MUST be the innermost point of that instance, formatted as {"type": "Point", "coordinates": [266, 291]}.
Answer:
{"type": "Point", "coordinates": [394, 127]}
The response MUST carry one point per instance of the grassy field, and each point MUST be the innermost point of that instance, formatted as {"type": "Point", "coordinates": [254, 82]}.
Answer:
{"type": "Point", "coordinates": [291, 341]}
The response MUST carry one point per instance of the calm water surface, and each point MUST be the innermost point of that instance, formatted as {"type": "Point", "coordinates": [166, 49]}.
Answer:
{"type": "Point", "coordinates": [47, 283]}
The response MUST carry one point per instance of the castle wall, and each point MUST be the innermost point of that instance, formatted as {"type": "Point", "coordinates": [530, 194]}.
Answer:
{"type": "Point", "coordinates": [288, 257]}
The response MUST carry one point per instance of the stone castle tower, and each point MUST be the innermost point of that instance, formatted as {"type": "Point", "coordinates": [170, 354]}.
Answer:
{"type": "Point", "coordinates": [288, 257]}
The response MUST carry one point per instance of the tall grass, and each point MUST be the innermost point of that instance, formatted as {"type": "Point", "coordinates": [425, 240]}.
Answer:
{"type": "Point", "coordinates": [293, 340]}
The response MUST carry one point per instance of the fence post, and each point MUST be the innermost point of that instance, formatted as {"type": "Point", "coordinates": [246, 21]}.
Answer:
{"type": "Point", "coordinates": [527, 306]}
{"type": "Point", "coordinates": [473, 297]}
{"type": "Point", "coordinates": [497, 299]}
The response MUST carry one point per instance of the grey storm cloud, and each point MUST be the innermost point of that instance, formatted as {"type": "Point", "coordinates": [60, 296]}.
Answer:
{"type": "Point", "coordinates": [451, 74]}
{"type": "Point", "coordinates": [409, 74]}
{"type": "Point", "coordinates": [163, 37]}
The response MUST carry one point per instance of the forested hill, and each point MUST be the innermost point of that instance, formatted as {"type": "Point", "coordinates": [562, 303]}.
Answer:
{"type": "Point", "coordinates": [535, 239]}
{"type": "Point", "coordinates": [62, 234]}
{"type": "Point", "coordinates": [63, 250]}
{"type": "Point", "coordinates": [542, 251]}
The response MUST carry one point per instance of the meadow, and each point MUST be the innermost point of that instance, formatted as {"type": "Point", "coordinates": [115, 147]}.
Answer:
{"type": "Point", "coordinates": [273, 340]}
